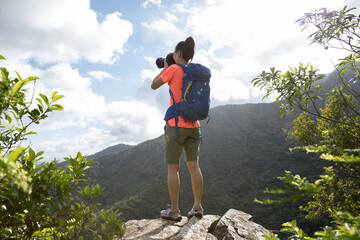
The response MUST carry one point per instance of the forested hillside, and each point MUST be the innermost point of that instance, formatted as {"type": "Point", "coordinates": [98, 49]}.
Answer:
{"type": "Point", "coordinates": [243, 151]}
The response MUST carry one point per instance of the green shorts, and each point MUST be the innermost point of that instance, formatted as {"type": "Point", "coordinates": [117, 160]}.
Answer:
{"type": "Point", "coordinates": [189, 140]}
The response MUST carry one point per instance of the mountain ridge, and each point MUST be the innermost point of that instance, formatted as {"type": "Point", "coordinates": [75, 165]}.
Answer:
{"type": "Point", "coordinates": [109, 150]}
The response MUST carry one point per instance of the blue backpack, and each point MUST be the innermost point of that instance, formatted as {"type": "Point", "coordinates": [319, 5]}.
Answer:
{"type": "Point", "coordinates": [195, 95]}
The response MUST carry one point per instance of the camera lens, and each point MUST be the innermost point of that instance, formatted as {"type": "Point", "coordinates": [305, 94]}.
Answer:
{"type": "Point", "coordinates": [169, 59]}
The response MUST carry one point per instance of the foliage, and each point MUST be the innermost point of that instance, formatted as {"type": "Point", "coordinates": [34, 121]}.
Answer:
{"type": "Point", "coordinates": [14, 110]}
{"type": "Point", "coordinates": [333, 132]}
{"type": "Point", "coordinates": [334, 29]}
{"type": "Point", "coordinates": [295, 86]}
{"type": "Point", "coordinates": [336, 189]}
{"type": "Point", "coordinates": [298, 87]}
{"type": "Point", "coordinates": [346, 227]}
{"type": "Point", "coordinates": [36, 200]}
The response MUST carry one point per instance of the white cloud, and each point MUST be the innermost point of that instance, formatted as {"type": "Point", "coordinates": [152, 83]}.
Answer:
{"type": "Point", "coordinates": [148, 74]}
{"type": "Point", "coordinates": [63, 77]}
{"type": "Point", "coordinates": [148, 3]}
{"type": "Point", "coordinates": [247, 27]}
{"type": "Point", "coordinates": [245, 39]}
{"type": "Point", "coordinates": [88, 123]}
{"type": "Point", "coordinates": [81, 105]}
{"type": "Point", "coordinates": [150, 60]}
{"type": "Point", "coordinates": [167, 26]}
{"type": "Point", "coordinates": [133, 121]}
{"type": "Point", "coordinates": [171, 18]}
{"type": "Point", "coordinates": [53, 31]}
{"type": "Point", "coordinates": [119, 122]}
{"type": "Point", "coordinates": [60, 145]}
{"type": "Point", "coordinates": [100, 75]}
{"type": "Point", "coordinates": [186, 8]}
{"type": "Point", "coordinates": [225, 88]}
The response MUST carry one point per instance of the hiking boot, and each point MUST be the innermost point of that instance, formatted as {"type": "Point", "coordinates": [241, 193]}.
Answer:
{"type": "Point", "coordinates": [197, 212]}
{"type": "Point", "coordinates": [171, 215]}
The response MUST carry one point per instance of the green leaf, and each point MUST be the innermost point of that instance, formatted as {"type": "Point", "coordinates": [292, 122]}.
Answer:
{"type": "Point", "coordinates": [40, 108]}
{"type": "Point", "coordinates": [56, 107]}
{"type": "Point", "coordinates": [69, 166]}
{"type": "Point", "coordinates": [39, 100]}
{"type": "Point", "coordinates": [3, 165]}
{"type": "Point", "coordinates": [30, 133]}
{"type": "Point", "coordinates": [2, 57]}
{"type": "Point", "coordinates": [39, 154]}
{"type": "Point", "coordinates": [306, 104]}
{"type": "Point", "coordinates": [31, 154]}
{"type": "Point", "coordinates": [32, 78]}
{"type": "Point", "coordinates": [344, 70]}
{"type": "Point", "coordinates": [53, 94]}
{"type": "Point", "coordinates": [103, 227]}
{"type": "Point", "coordinates": [18, 74]}
{"type": "Point", "coordinates": [86, 191]}
{"type": "Point", "coordinates": [18, 86]}
{"type": "Point", "coordinates": [46, 100]}
{"type": "Point", "coordinates": [16, 153]}
{"type": "Point", "coordinates": [57, 97]}
{"type": "Point", "coordinates": [96, 190]}
{"type": "Point", "coordinates": [8, 118]}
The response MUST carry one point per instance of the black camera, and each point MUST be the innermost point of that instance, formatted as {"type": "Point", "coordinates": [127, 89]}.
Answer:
{"type": "Point", "coordinates": [169, 59]}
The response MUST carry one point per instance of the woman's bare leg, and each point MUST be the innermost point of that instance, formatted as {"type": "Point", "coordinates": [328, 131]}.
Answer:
{"type": "Point", "coordinates": [174, 185]}
{"type": "Point", "coordinates": [196, 182]}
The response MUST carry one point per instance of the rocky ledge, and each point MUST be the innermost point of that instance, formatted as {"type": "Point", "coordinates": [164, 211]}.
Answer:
{"type": "Point", "coordinates": [234, 224]}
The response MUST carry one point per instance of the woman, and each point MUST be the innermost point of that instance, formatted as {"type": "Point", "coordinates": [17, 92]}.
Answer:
{"type": "Point", "coordinates": [189, 136]}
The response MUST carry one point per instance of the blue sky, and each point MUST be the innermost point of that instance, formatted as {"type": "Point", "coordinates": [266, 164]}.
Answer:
{"type": "Point", "coordinates": [101, 55]}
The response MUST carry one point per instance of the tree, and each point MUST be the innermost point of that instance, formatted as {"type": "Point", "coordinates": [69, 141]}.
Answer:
{"type": "Point", "coordinates": [332, 131]}
{"type": "Point", "coordinates": [36, 198]}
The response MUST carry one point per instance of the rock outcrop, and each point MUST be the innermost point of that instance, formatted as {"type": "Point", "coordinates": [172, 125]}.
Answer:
{"type": "Point", "coordinates": [234, 224]}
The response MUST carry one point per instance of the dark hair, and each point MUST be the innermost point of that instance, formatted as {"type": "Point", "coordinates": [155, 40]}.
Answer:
{"type": "Point", "coordinates": [187, 48]}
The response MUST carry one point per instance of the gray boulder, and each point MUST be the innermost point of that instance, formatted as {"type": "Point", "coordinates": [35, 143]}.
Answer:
{"type": "Point", "coordinates": [234, 224]}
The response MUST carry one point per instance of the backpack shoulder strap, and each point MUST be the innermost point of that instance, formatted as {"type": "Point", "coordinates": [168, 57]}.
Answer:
{"type": "Point", "coordinates": [172, 112]}
{"type": "Point", "coordinates": [182, 65]}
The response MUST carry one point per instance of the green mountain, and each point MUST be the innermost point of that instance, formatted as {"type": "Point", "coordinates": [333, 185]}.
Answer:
{"type": "Point", "coordinates": [112, 149]}
{"type": "Point", "coordinates": [243, 152]}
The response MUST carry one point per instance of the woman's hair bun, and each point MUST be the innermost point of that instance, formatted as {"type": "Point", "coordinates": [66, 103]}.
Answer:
{"type": "Point", "coordinates": [190, 41]}
{"type": "Point", "coordinates": [189, 48]}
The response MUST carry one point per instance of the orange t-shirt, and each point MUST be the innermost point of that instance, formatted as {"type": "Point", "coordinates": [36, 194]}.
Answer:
{"type": "Point", "coordinates": [173, 75]}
